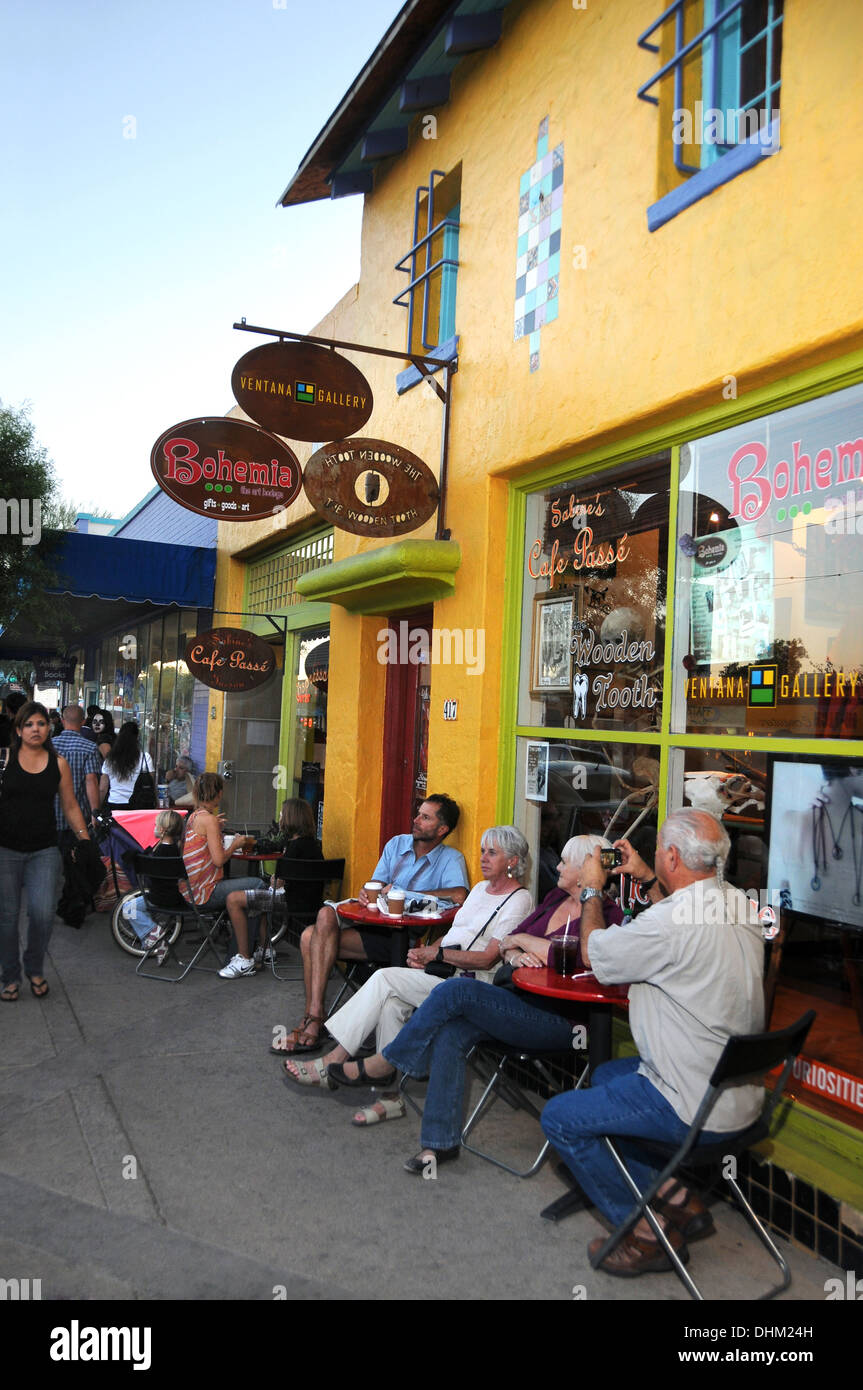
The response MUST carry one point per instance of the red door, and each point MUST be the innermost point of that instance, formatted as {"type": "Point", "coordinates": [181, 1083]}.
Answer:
{"type": "Point", "coordinates": [406, 723]}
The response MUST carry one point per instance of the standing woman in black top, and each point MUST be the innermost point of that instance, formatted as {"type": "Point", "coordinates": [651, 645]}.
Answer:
{"type": "Point", "coordinates": [29, 858]}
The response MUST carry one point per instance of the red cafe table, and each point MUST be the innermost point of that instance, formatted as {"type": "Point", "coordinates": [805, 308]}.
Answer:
{"type": "Point", "coordinates": [601, 1000]}
{"type": "Point", "coordinates": [359, 916]}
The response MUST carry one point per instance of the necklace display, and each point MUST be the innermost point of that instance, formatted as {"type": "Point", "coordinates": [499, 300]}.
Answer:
{"type": "Point", "coordinates": [822, 826]}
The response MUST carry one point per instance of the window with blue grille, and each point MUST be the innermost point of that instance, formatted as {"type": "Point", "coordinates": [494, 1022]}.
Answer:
{"type": "Point", "coordinates": [431, 264]}
{"type": "Point", "coordinates": [717, 89]}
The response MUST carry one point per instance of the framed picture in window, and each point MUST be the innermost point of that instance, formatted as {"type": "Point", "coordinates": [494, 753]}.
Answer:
{"type": "Point", "coordinates": [551, 660]}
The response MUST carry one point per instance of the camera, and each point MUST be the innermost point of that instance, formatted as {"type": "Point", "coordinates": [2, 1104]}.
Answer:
{"type": "Point", "coordinates": [611, 858]}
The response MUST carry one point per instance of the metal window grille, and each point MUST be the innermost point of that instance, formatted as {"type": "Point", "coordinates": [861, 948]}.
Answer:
{"type": "Point", "coordinates": [272, 580]}
{"type": "Point", "coordinates": [421, 279]}
{"type": "Point", "coordinates": [740, 43]}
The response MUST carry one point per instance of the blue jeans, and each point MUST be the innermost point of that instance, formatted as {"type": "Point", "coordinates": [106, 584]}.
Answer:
{"type": "Point", "coordinates": [38, 874]}
{"type": "Point", "coordinates": [619, 1101]}
{"type": "Point", "coordinates": [436, 1040]}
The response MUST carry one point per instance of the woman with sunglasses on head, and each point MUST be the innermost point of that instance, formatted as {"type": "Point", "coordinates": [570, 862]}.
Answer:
{"type": "Point", "coordinates": [30, 861]}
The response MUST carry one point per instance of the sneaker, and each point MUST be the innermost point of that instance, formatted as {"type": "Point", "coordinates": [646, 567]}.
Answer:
{"type": "Point", "coordinates": [152, 938]}
{"type": "Point", "coordinates": [237, 967]}
{"type": "Point", "coordinates": [264, 956]}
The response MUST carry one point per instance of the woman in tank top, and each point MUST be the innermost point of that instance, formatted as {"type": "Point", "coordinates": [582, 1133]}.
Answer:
{"type": "Point", "coordinates": [204, 855]}
{"type": "Point", "coordinates": [30, 861]}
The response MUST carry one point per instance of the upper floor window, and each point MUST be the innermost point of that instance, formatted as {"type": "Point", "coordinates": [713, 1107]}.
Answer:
{"type": "Point", "coordinates": [432, 263]}
{"type": "Point", "coordinates": [717, 89]}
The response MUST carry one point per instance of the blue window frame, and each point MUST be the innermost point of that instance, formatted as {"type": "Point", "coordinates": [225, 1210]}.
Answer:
{"type": "Point", "coordinates": [432, 263]}
{"type": "Point", "coordinates": [726, 82]}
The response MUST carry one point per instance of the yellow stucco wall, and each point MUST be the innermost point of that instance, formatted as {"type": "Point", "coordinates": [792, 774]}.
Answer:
{"type": "Point", "coordinates": [758, 279]}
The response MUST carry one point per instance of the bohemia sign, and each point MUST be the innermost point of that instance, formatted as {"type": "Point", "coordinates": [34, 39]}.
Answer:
{"type": "Point", "coordinates": [229, 659]}
{"type": "Point", "coordinates": [226, 468]}
{"type": "Point", "coordinates": [302, 390]}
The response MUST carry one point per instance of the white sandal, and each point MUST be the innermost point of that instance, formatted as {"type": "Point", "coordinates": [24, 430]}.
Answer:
{"type": "Point", "coordinates": [370, 1115]}
{"type": "Point", "coordinates": [308, 1073]}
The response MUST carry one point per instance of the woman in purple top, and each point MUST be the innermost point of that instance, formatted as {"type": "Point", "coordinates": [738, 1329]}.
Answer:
{"type": "Point", "coordinates": [559, 913]}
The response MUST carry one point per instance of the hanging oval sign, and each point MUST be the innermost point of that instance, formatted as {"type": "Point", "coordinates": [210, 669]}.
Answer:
{"type": "Point", "coordinates": [226, 468]}
{"type": "Point", "coordinates": [370, 488]}
{"type": "Point", "coordinates": [302, 390]}
{"type": "Point", "coordinates": [229, 659]}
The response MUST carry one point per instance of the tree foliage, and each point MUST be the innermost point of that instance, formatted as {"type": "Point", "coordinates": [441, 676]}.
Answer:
{"type": "Point", "coordinates": [27, 496]}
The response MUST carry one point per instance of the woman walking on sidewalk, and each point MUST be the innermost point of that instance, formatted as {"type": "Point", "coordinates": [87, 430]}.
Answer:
{"type": "Point", "coordinates": [29, 858]}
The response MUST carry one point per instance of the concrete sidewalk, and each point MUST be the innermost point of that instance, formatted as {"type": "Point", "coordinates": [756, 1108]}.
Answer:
{"type": "Point", "coordinates": [150, 1150]}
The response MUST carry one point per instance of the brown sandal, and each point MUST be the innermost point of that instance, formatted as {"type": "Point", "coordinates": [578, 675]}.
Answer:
{"type": "Point", "coordinates": [294, 1045]}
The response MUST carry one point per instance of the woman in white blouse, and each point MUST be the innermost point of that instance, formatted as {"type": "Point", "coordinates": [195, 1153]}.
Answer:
{"type": "Point", "coordinates": [493, 909]}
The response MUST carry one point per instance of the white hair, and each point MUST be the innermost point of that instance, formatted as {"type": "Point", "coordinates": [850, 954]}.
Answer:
{"type": "Point", "coordinates": [699, 838]}
{"type": "Point", "coordinates": [509, 839]}
{"type": "Point", "coordinates": [581, 847]}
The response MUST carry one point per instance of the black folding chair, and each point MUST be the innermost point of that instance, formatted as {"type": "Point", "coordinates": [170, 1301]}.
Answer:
{"type": "Point", "coordinates": [167, 871]}
{"type": "Point", "coordinates": [745, 1059]}
{"type": "Point", "coordinates": [327, 873]}
{"type": "Point", "coordinates": [504, 1086]}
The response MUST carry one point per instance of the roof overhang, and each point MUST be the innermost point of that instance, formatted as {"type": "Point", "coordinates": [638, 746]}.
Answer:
{"type": "Point", "coordinates": [407, 74]}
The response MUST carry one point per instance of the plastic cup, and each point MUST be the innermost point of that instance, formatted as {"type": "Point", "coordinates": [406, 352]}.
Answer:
{"type": "Point", "coordinates": [563, 956]}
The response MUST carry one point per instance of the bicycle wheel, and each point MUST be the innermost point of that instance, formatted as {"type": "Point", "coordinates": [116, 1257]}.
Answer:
{"type": "Point", "coordinates": [124, 932]}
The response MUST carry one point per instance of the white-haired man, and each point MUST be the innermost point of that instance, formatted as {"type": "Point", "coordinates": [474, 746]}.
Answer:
{"type": "Point", "coordinates": [693, 961]}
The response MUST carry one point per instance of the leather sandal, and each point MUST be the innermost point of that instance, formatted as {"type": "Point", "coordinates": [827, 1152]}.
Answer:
{"type": "Point", "coordinates": [636, 1255]}
{"type": "Point", "coordinates": [336, 1073]}
{"type": "Point", "coordinates": [691, 1218]}
{"type": "Point", "coordinates": [294, 1046]}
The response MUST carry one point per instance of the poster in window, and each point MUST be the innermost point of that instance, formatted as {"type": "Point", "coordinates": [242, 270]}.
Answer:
{"type": "Point", "coordinates": [816, 839]}
{"type": "Point", "coordinates": [536, 772]}
{"type": "Point", "coordinates": [551, 661]}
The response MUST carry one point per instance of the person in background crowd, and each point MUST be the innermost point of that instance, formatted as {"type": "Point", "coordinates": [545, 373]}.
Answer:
{"type": "Point", "coordinates": [14, 700]}
{"type": "Point", "coordinates": [420, 863]}
{"type": "Point", "coordinates": [56, 723]}
{"type": "Point", "coordinates": [205, 854]}
{"type": "Point", "coordinates": [84, 765]}
{"type": "Point", "coordinates": [103, 729]}
{"type": "Point", "coordinates": [33, 774]}
{"type": "Point", "coordinates": [297, 825]}
{"type": "Point", "coordinates": [122, 765]}
{"type": "Point", "coordinates": [181, 783]}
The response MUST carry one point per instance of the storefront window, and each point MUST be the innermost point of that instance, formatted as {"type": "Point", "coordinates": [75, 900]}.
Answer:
{"type": "Point", "coordinates": [768, 638]}
{"type": "Point", "coordinates": [595, 600]}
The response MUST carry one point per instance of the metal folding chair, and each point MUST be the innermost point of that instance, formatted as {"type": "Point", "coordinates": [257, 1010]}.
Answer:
{"type": "Point", "coordinates": [745, 1059]}
{"type": "Point", "coordinates": [501, 1086]}
{"type": "Point", "coordinates": [167, 871]}
{"type": "Point", "coordinates": [327, 873]}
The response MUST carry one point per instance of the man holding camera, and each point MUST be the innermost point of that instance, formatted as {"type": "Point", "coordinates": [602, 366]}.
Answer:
{"type": "Point", "coordinates": [694, 962]}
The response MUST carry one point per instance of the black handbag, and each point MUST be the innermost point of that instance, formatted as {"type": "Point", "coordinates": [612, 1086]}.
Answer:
{"type": "Point", "coordinates": [441, 968]}
{"type": "Point", "coordinates": [143, 796]}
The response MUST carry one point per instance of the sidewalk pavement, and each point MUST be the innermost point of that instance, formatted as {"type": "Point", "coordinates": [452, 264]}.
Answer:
{"type": "Point", "coordinates": [150, 1150]}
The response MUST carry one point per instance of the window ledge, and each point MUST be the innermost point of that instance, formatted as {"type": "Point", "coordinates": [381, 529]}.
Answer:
{"type": "Point", "coordinates": [703, 183]}
{"type": "Point", "coordinates": [411, 375]}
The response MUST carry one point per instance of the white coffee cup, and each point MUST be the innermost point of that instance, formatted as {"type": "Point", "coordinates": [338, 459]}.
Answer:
{"type": "Point", "coordinates": [372, 890]}
{"type": "Point", "coordinates": [396, 902]}
{"type": "Point", "coordinates": [228, 840]}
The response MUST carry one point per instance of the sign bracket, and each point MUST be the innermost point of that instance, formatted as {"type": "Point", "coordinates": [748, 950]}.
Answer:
{"type": "Point", "coordinates": [279, 625]}
{"type": "Point", "coordinates": [426, 364]}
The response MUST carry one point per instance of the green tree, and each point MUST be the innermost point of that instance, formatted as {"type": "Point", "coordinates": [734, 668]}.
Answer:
{"type": "Point", "coordinates": [27, 496]}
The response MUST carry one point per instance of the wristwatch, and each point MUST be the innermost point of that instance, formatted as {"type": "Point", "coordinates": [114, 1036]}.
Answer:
{"type": "Point", "coordinates": [439, 957]}
{"type": "Point", "coordinates": [587, 893]}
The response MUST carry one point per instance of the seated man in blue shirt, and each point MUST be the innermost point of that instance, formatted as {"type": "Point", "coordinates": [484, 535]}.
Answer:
{"type": "Point", "coordinates": [418, 862]}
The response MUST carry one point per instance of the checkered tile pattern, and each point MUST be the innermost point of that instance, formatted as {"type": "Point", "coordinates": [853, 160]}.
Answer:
{"type": "Point", "coordinates": [537, 270]}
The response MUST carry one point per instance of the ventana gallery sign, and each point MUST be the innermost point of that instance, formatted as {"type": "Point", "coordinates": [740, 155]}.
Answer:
{"type": "Point", "coordinates": [229, 659]}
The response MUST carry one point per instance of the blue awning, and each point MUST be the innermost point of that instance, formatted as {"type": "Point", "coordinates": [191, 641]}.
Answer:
{"type": "Point", "coordinates": [109, 567]}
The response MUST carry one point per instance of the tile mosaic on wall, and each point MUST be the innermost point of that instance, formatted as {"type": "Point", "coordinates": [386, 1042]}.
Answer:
{"type": "Point", "coordinates": [537, 269]}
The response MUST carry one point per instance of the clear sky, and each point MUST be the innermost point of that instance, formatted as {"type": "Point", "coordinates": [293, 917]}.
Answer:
{"type": "Point", "coordinates": [145, 144]}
